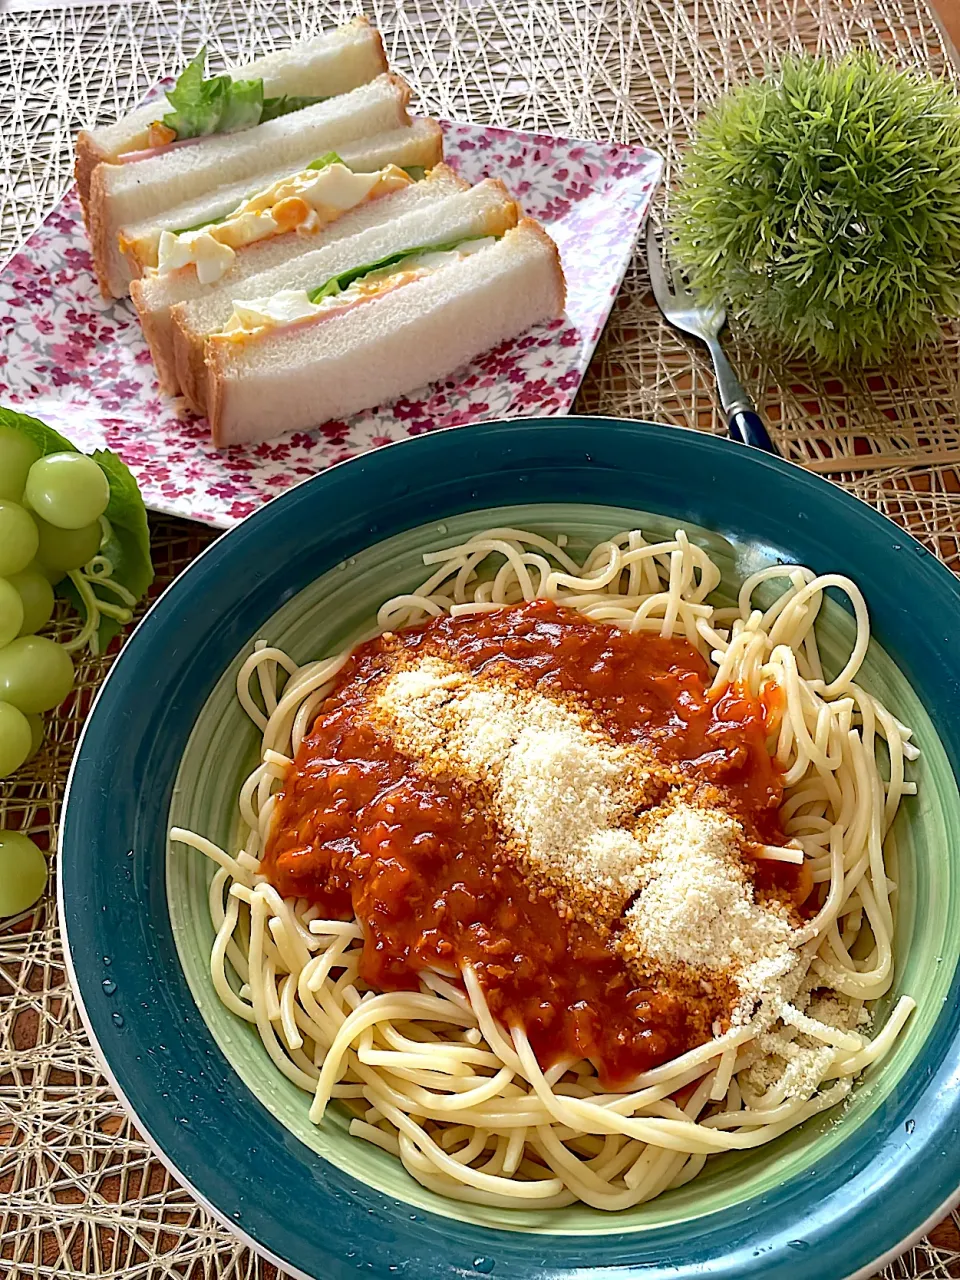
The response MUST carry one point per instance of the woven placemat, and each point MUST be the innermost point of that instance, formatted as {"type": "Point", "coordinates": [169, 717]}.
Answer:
{"type": "Point", "coordinates": [80, 1195]}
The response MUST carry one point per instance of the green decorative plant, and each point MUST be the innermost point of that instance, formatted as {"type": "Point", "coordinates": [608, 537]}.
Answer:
{"type": "Point", "coordinates": [822, 205]}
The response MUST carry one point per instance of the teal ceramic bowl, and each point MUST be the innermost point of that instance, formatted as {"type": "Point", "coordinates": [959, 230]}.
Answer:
{"type": "Point", "coordinates": [829, 1199]}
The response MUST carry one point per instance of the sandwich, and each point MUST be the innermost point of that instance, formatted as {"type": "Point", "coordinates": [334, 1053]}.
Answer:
{"type": "Point", "coordinates": [158, 291]}
{"type": "Point", "coordinates": [294, 247]}
{"type": "Point", "coordinates": [446, 209]}
{"type": "Point", "coordinates": [415, 148]}
{"type": "Point", "coordinates": [122, 195]}
{"type": "Point", "coordinates": [416, 302]}
{"type": "Point", "coordinates": [278, 84]}
{"type": "Point", "coordinates": [295, 360]}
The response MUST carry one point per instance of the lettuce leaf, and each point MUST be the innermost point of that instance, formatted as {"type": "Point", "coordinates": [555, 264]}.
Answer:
{"type": "Point", "coordinates": [415, 171]}
{"type": "Point", "coordinates": [273, 108]}
{"type": "Point", "coordinates": [221, 104]}
{"type": "Point", "coordinates": [128, 546]}
{"type": "Point", "coordinates": [326, 161]}
{"type": "Point", "coordinates": [243, 105]}
{"type": "Point", "coordinates": [197, 104]}
{"type": "Point", "coordinates": [336, 284]}
{"type": "Point", "coordinates": [198, 226]}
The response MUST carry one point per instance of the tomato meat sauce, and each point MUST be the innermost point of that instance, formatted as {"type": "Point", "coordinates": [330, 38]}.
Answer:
{"type": "Point", "coordinates": [359, 831]}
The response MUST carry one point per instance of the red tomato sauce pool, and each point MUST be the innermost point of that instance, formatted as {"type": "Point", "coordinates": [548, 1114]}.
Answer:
{"type": "Point", "coordinates": [359, 831]}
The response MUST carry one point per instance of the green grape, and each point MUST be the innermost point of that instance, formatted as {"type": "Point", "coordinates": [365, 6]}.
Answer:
{"type": "Point", "coordinates": [53, 576]}
{"type": "Point", "coordinates": [11, 612]}
{"type": "Point", "coordinates": [36, 597]}
{"type": "Point", "coordinates": [18, 453]}
{"type": "Point", "coordinates": [62, 549]}
{"type": "Point", "coordinates": [15, 739]}
{"type": "Point", "coordinates": [68, 490]}
{"type": "Point", "coordinates": [23, 873]}
{"type": "Point", "coordinates": [36, 734]}
{"type": "Point", "coordinates": [36, 674]}
{"type": "Point", "coordinates": [18, 538]}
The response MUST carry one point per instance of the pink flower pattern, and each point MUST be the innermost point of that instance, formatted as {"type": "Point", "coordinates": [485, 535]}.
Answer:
{"type": "Point", "coordinates": [82, 365]}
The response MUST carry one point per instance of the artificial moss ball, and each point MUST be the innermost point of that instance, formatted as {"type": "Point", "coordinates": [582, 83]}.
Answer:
{"type": "Point", "coordinates": [821, 204]}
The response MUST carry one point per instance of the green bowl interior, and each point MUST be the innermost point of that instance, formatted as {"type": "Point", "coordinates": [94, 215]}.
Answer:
{"type": "Point", "coordinates": [339, 607]}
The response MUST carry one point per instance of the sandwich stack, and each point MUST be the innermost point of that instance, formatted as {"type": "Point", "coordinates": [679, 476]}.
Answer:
{"type": "Point", "coordinates": [293, 244]}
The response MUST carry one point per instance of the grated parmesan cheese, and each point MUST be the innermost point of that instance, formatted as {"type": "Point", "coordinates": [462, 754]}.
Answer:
{"type": "Point", "coordinates": [794, 1061]}
{"type": "Point", "coordinates": [696, 906]}
{"type": "Point", "coordinates": [609, 825]}
{"type": "Point", "coordinates": [564, 791]}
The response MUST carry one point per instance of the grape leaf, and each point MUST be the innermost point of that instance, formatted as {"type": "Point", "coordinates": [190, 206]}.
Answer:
{"type": "Point", "coordinates": [44, 437]}
{"type": "Point", "coordinates": [129, 547]}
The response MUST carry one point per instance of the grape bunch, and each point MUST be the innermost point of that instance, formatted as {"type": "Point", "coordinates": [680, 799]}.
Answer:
{"type": "Point", "coordinates": [50, 509]}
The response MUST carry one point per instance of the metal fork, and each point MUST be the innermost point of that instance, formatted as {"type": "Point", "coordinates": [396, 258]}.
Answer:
{"type": "Point", "coordinates": [684, 310]}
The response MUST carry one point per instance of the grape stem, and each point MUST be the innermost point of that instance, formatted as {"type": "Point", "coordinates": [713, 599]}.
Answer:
{"type": "Point", "coordinates": [99, 570]}
{"type": "Point", "coordinates": [92, 605]}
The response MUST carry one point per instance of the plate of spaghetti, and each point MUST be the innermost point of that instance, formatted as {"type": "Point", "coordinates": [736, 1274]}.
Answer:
{"type": "Point", "coordinates": [529, 850]}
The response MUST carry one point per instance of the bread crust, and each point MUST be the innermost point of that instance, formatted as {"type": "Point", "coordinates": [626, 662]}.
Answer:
{"type": "Point", "coordinates": [363, 21]}
{"type": "Point", "coordinates": [88, 156]}
{"type": "Point", "coordinates": [155, 327]}
{"type": "Point", "coordinates": [189, 360]}
{"type": "Point", "coordinates": [560, 280]}
{"type": "Point", "coordinates": [405, 92]}
{"type": "Point", "coordinates": [215, 395]}
{"type": "Point", "coordinates": [98, 228]}
{"type": "Point", "coordinates": [436, 154]}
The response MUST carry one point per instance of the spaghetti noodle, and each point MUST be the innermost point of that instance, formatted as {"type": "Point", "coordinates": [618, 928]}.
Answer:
{"type": "Point", "coordinates": [418, 976]}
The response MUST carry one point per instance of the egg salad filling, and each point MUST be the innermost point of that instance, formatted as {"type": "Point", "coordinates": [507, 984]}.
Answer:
{"type": "Point", "coordinates": [305, 202]}
{"type": "Point", "coordinates": [358, 284]}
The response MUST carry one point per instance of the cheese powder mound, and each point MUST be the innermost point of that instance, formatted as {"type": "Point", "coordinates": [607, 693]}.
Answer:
{"type": "Point", "coordinates": [602, 827]}
{"type": "Point", "coordinates": [564, 793]}
{"type": "Point", "coordinates": [696, 906]}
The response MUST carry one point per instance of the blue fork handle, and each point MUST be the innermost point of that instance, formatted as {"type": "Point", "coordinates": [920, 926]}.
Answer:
{"type": "Point", "coordinates": [744, 424]}
{"type": "Point", "coordinates": [747, 426]}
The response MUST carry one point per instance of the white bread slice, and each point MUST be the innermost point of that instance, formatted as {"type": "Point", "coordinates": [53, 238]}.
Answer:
{"type": "Point", "coordinates": [486, 209]}
{"type": "Point", "coordinates": [121, 194]}
{"type": "Point", "coordinates": [154, 295]}
{"type": "Point", "coordinates": [420, 143]}
{"type": "Point", "coordinates": [326, 65]}
{"type": "Point", "coordinates": [300, 376]}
